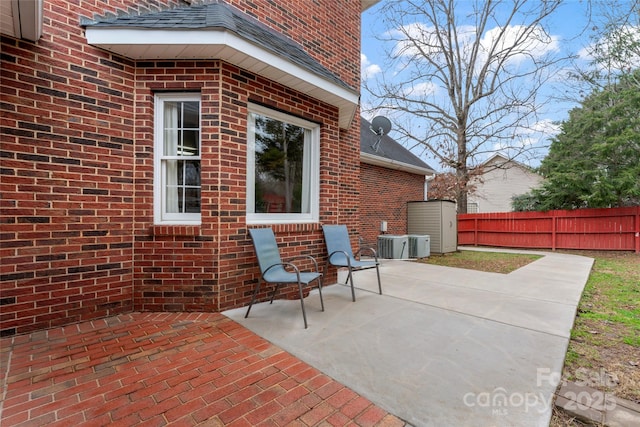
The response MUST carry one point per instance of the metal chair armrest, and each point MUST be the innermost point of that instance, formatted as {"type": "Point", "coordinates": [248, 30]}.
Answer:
{"type": "Point", "coordinates": [315, 263]}
{"type": "Point", "coordinates": [368, 249]}
{"type": "Point", "coordinates": [346, 255]}
{"type": "Point", "coordinates": [285, 265]}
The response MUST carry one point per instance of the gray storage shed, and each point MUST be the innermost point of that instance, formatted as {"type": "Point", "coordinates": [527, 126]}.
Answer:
{"type": "Point", "coordinates": [436, 218]}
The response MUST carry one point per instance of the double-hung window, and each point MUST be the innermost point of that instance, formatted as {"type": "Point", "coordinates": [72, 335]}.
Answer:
{"type": "Point", "coordinates": [177, 191]}
{"type": "Point", "coordinates": [283, 163]}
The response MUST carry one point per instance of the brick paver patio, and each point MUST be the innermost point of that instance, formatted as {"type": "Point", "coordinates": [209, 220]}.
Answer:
{"type": "Point", "coordinates": [158, 369]}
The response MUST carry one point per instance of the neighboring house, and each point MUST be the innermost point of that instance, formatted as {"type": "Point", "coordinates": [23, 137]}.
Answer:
{"type": "Point", "coordinates": [390, 177]}
{"type": "Point", "coordinates": [501, 180]}
{"type": "Point", "coordinates": [141, 139]}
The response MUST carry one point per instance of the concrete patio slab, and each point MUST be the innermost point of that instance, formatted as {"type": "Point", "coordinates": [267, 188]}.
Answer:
{"type": "Point", "coordinates": [485, 295]}
{"type": "Point", "coordinates": [442, 346]}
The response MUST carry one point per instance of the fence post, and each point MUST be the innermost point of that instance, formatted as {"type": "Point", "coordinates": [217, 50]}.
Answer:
{"type": "Point", "coordinates": [475, 231]}
{"type": "Point", "coordinates": [553, 231]}
{"type": "Point", "coordinates": [637, 233]}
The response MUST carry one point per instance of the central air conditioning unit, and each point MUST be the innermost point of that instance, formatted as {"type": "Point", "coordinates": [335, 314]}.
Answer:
{"type": "Point", "coordinates": [419, 246]}
{"type": "Point", "coordinates": [393, 247]}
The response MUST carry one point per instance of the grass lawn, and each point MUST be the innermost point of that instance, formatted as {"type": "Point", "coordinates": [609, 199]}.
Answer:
{"type": "Point", "coordinates": [604, 350]}
{"type": "Point", "coordinates": [495, 262]}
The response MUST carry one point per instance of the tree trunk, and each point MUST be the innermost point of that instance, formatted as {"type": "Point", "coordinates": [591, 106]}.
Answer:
{"type": "Point", "coordinates": [462, 191]}
{"type": "Point", "coordinates": [462, 170]}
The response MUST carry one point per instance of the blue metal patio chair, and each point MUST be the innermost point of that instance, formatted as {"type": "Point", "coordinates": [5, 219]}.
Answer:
{"type": "Point", "coordinates": [273, 270]}
{"type": "Point", "coordinates": [340, 254]}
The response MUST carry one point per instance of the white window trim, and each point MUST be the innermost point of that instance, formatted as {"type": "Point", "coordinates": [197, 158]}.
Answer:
{"type": "Point", "coordinates": [161, 217]}
{"type": "Point", "coordinates": [314, 177]}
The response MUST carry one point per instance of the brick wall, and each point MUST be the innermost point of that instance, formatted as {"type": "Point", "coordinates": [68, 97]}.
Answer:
{"type": "Point", "coordinates": [329, 30]}
{"type": "Point", "coordinates": [66, 178]}
{"type": "Point", "coordinates": [385, 193]}
{"type": "Point", "coordinates": [213, 266]}
{"type": "Point", "coordinates": [76, 169]}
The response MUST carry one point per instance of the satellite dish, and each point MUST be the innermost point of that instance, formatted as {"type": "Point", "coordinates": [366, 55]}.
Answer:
{"type": "Point", "coordinates": [380, 125]}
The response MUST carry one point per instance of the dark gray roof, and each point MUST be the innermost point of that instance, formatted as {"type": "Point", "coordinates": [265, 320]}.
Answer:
{"type": "Point", "coordinates": [219, 16]}
{"type": "Point", "coordinates": [388, 148]}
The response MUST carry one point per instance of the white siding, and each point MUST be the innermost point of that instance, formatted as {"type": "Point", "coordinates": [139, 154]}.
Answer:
{"type": "Point", "coordinates": [500, 185]}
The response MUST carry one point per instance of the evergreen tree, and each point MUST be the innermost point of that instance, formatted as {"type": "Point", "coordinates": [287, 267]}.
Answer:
{"type": "Point", "coordinates": [595, 160]}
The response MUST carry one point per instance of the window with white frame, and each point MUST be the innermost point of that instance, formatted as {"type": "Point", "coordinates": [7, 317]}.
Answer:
{"type": "Point", "coordinates": [283, 167]}
{"type": "Point", "coordinates": [177, 191]}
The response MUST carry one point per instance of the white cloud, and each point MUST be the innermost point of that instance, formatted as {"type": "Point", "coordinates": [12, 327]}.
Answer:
{"type": "Point", "coordinates": [419, 90]}
{"type": "Point", "coordinates": [585, 53]}
{"type": "Point", "coordinates": [606, 48]}
{"type": "Point", "coordinates": [533, 137]}
{"type": "Point", "coordinates": [415, 39]}
{"type": "Point", "coordinates": [419, 39]}
{"type": "Point", "coordinates": [546, 127]}
{"type": "Point", "coordinates": [367, 69]}
{"type": "Point", "coordinates": [536, 45]}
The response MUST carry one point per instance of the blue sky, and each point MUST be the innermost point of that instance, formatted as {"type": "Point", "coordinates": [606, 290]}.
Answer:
{"type": "Point", "coordinates": [569, 25]}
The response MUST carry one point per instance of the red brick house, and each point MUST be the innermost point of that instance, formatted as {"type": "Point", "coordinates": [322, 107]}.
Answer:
{"type": "Point", "coordinates": [141, 139]}
{"type": "Point", "coordinates": [390, 177]}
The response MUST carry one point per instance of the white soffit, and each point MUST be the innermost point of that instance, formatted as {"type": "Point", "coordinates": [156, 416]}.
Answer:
{"type": "Point", "coordinates": [366, 4]}
{"type": "Point", "coordinates": [151, 44]}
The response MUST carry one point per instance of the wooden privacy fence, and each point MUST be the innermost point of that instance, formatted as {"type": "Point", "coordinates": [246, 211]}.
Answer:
{"type": "Point", "coordinates": [614, 229]}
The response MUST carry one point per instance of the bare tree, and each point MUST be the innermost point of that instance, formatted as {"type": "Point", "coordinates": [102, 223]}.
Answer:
{"type": "Point", "coordinates": [467, 77]}
{"type": "Point", "coordinates": [615, 45]}
{"type": "Point", "coordinates": [444, 186]}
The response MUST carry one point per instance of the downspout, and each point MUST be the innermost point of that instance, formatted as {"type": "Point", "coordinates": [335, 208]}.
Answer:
{"type": "Point", "coordinates": [27, 19]}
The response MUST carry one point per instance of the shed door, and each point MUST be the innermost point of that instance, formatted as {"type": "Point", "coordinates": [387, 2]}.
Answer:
{"type": "Point", "coordinates": [449, 228]}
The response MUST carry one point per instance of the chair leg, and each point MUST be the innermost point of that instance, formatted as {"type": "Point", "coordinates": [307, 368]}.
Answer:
{"type": "Point", "coordinates": [324, 274]}
{"type": "Point", "coordinates": [353, 292]}
{"type": "Point", "coordinates": [320, 292]}
{"type": "Point", "coordinates": [275, 291]}
{"type": "Point", "coordinates": [379, 284]}
{"type": "Point", "coordinates": [253, 297]}
{"type": "Point", "coordinates": [304, 313]}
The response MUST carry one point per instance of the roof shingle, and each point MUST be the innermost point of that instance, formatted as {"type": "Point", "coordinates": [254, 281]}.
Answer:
{"type": "Point", "coordinates": [388, 148]}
